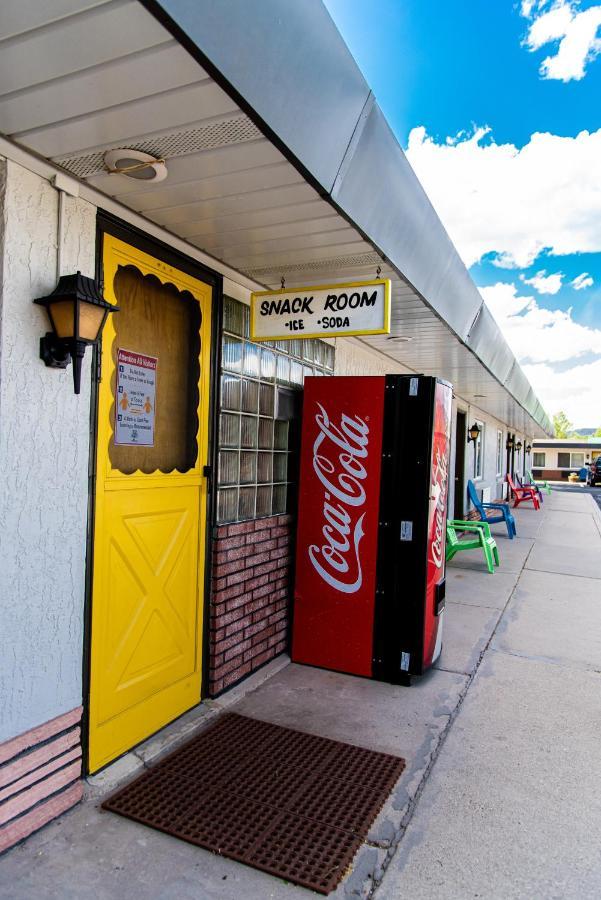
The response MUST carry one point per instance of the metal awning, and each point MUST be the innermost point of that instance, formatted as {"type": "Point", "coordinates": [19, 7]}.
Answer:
{"type": "Point", "coordinates": [280, 161]}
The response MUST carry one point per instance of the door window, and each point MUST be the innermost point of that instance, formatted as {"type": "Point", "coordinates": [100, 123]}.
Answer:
{"type": "Point", "coordinates": [161, 322]}
{"type": "Point", "coordinates": [499, 452]}
{"type": "Point", "coordinates": [479, 451]}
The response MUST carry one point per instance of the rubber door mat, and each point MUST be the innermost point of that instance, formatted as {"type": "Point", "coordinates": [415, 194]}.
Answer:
{"type": "Point", "coordinates": [292, 804]}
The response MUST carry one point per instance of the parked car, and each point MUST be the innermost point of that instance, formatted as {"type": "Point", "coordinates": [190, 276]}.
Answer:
{"type": "Point", "coordinates": [594, 472]}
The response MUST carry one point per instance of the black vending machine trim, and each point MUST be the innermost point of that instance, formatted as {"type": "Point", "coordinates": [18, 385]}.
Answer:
{"type": "Point", "coordinates": [401, 573]}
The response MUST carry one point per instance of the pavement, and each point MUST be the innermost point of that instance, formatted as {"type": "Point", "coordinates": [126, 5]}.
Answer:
{"type": "Point", "coordinates": [501, 797]}
{"type": "Point", "coordinates": [595, 492]}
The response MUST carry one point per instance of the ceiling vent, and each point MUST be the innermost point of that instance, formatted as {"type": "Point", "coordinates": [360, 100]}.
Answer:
{"type": "Point", "coordinates": [234, 130]}
{"type": "Point", "coordinates": [338, 262]}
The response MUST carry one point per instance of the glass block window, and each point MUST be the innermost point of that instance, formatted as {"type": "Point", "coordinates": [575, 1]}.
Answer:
{"type": "Point", "coordinates": [254, 452]}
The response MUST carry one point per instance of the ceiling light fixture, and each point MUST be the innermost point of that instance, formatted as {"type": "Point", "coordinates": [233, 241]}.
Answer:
{"type": "Point", "coordinates": [135, 164]}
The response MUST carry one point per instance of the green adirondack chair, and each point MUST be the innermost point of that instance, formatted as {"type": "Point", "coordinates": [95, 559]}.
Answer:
{"type": "Point", "coordinates": [482, 539]}
{"type": "Point", "coordinates": [544, 485]}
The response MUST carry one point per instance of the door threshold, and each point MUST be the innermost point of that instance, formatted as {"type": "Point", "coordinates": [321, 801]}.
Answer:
{"type": "Point", "coordinates": [168, 738]}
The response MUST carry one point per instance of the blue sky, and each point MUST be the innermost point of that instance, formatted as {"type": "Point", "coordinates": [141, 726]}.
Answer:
{"type": "Point", "coordinates": [520, 197]}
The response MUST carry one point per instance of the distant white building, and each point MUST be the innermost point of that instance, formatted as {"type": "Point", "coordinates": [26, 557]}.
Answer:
{"type": "Point", "coordinates": [556, 458]}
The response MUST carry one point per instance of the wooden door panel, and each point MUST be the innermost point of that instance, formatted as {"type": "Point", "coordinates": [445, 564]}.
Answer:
{"type": "Point", "coordinates": [150, 523]}
{"type": "Point", "coordinates": [149, 629]}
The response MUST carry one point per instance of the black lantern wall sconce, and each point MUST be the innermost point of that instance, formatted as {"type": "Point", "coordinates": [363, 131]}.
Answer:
{"type": "Point", "coordinates": [518, 446]}
{"type": "Point", "coordinates": [77, 312]}
{"type": "Point", "coordinates": [474, 433]}
{"type": "Point", "coordinates": [528, 448]}
{"type": "Point", "coordinates": [509, 444]}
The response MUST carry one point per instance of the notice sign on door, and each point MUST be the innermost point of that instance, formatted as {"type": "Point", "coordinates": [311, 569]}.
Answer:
{"type": "Point", "coordinates": [135, 401]}
{"type": "Point", "coordinates": [334, 310]}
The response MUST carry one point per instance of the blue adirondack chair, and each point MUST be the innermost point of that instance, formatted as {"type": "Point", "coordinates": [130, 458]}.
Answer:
{"type": "Point", "coordinates": [500, 512]}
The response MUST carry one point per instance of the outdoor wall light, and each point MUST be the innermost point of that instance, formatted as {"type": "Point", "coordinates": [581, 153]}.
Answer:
{"type": "Point", "coordinates": [77, 312]}
{"type": "Point", "coordinates": [528, 448]}
{"type": "Point", "coordinates": [518, 446]}
{"type": "Point", "coordinates": [509, 444]}
{"type": "Point", "coordinates": [474, 433]}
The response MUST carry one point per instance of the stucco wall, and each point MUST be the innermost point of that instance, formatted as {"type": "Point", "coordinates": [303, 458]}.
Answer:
{"type": "Point", "coordinates": [44, 443]}
{"type": "Point", "coordinates": [490, 480]}
{"type": "Point", "coordinates": [355, 358]}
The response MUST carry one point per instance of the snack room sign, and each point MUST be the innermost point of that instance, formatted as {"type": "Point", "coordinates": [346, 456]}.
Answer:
{"type": "Point", "coordinates": [335, 310]}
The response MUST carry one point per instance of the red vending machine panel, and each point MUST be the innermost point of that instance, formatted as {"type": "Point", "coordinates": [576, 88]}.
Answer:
{"type": "Point", "coordinates": [437, 520]}
{"type": "Point", "coordinates": [337, 538]}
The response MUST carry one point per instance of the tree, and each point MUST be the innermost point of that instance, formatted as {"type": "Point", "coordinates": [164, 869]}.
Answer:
{"type": "Point", "coordinates": [561, 424]}
{"type": "Point", "coordinates": [597, 433]}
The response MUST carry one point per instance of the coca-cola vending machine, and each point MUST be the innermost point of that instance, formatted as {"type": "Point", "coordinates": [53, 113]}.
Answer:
{"type": "Point", "coordinates": [370, 561]}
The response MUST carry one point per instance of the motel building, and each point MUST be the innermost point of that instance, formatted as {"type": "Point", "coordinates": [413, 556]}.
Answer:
{"type": "Point", "coordinates": [160, 162]}
{"type": "Point", "coordinates": [555, 459]}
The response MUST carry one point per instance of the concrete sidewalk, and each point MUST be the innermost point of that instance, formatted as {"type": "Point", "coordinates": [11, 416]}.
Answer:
{"type": "Point", "coordinates": [512, 807]}
{"type": "Point", "coordinates": [501, 796]}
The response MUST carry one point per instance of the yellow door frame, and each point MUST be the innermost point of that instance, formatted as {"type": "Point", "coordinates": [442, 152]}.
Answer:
{"type": "Point", "coordinates": [115, 252]}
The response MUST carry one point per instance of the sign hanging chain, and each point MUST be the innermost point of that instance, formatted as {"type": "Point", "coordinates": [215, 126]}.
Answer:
{"type": "Point", "coordinates": [283, 282]}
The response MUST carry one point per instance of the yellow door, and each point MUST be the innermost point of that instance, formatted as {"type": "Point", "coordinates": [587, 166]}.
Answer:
{"type": "Point", "coordinates": [150, 513]}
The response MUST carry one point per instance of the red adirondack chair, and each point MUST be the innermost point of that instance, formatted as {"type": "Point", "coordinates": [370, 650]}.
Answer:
{"type": "Point", "coordinates": [522, 493]}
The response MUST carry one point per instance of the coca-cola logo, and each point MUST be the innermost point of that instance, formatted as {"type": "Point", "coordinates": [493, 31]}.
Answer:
{"type": "Point", "coordinates": [438, 499]}
{"type": "Point", "coordinates": [339, 461]}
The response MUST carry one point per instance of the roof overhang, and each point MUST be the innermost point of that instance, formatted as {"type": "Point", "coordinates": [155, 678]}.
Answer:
{"type": "Point", "coordinates": [280, 161]}
{"type": "Point", "coordinates": [567, 444]}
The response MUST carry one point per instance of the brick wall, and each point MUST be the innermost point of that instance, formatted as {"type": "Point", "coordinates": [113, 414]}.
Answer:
{"type": "Point", "coordinates": [250, 598]}
{"type": "Point", "coordinates": [40, 776]}
{"type": "Point", "coordinates": [552, 474]}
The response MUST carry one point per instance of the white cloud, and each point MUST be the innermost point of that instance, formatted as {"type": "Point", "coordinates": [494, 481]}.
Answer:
{"type": "Point", "coordinates": [544, 341]}
{"type": "Point", "coordinates": [543, 283]}
{"type": "Point", "coordinates": [513, 202]}
{"type": "Point", "coordinates": [576, 30]}
{"type": "Point", "coordinates": [527, 7]}
{"type": "Point", "coordinates": [574, 390]}
{"type": "Point", "coordinates": [503, 301]}
{"type": "Point", "coordinates": [537, 334]}
{"type": "Point", "coordinates": [582, 281]}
